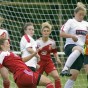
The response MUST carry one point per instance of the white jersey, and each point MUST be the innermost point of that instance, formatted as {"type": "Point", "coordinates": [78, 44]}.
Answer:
{"type": "Point", "coordinates": [4, 33]}
{"type": "Point", "coordinates": [79, 29]}
{"type": "Point", "coordinates": [28, 41]}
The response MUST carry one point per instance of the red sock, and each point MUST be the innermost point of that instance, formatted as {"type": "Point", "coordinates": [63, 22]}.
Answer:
{"type": "Point", "coordinates": [6, 84]}
{"type": "Point", "coordinates": [49, 85]}
{"type": "Point", "coordinates": [57, 83]}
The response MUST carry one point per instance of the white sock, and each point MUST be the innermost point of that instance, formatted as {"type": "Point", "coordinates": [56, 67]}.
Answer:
{"type": "Point", "coordinates": [71, 59]}
{"type": "Point", "coordinates": [69, 83]}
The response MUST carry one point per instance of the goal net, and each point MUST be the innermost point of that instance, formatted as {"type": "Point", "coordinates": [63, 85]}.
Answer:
{"type": "Point", "coordinates": [18, 12]}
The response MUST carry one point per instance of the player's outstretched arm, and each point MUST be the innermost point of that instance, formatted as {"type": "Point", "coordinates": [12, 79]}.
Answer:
{"type": "Point", "coordinates": [25, 59]}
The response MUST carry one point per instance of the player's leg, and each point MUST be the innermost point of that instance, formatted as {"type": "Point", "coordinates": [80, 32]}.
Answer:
{"type": "Point", "coordinates": [73, 52]}
{"type": "Point", "coordinates": [56, 77]}
{"type": "Point", "coordinates": [70, 82]}
{"type": "Point", "coordinates": [76, 51]}
{"type": "Point", "coordinates": [30, 79]}
{"type": "Point", "coordinates": [75, 68]}
{"type": "Point", "coordinates": [42, 65]}
{"type": "Point", "coordinates": [44, 81]}
{"type": "Point", "coordinates": [5, 77]}
{"type": "Point", "coordinates": [50, 69]}
{"type": "Point", "coordinates": [86, 63]}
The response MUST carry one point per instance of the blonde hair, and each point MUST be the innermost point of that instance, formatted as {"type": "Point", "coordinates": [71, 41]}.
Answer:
{"type": "Point", "coordinates": [46, 25]}
{"type": "Point", "coordinates": [80, 6]}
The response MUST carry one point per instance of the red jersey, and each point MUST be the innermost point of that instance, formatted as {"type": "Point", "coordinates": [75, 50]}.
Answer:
{"type": "Point", "coordinates": [46, 48]}
{"type": "Point", "coordinates": [13, 62]}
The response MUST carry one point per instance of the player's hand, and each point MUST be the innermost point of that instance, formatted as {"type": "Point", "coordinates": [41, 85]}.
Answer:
{"type": "Point", "coordinates": [39, 49]}
{"type": "Point", "coordinates": [74, 38]}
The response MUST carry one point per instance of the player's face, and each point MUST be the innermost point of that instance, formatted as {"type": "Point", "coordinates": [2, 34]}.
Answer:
{"type": "Point", "coordinates": [30, 30]}
{"type": "Point", "coordinates": [6, 45]}
{"type": "Point", "coordinates": [80, 15]}
{"type": "Point", "coordinates": [46, 32]}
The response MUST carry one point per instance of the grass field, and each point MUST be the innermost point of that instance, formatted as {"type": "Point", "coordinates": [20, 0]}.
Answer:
{"type": "Point", "coordinates": [81, 82]}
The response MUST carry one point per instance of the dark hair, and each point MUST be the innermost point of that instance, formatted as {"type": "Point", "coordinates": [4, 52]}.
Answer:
{"type": "Point", "coordinates": [2, 40]}
{"type": "Point", "coordinates": [25, 27]}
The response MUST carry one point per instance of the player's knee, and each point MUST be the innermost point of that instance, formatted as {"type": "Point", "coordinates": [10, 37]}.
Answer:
{"type": "Point", "coordinates": [75, 74]}
{"type": "Point", "coordinates": [44, 80]}
{"type": "Point", "coordinates": [77, 48]}
{"type": "Point", "coordinates": [86, 68]}
{"type": "Point", "coordinates": [48, 81]}
{"type": "Point", "coordinates": [5, 78]}
{"type": "Point", "coordinates": [56, 77]}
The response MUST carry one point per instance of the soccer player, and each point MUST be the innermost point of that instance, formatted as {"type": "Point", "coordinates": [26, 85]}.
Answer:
{"type": "Point", "coordinates": [74, 30]}
{"type": "Point", "coordinates": [28, 46]}
{"type": "Point", "coordinates": [86, 54]}
{"type": "Point", "coordinates": [3, 71]}
{"type": "Point", "coordinates": [23, 76]}
{"type": "Point", "coordinates": [48, 46]}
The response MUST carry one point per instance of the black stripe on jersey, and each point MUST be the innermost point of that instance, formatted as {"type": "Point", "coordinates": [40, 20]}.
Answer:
{"type": "Point", "coordinates": [81, 32]}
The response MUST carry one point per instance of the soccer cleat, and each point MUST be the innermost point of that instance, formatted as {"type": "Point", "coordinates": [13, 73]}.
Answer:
{"type": "Point", "coordinates": [65, 73]}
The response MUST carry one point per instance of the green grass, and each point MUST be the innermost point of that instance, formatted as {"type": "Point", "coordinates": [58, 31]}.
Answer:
{"type": "Point", "coordinates": [81, 81]}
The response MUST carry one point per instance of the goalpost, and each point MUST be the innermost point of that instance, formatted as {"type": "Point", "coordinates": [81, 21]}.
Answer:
{"type": "Point", "coordinates": [18, 12]}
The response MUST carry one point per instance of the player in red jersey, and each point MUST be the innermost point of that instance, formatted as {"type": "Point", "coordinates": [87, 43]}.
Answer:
{"type": "Point", "coordinates": [23, 76]}
{"type": "Point", "coordinates": [3, 71]}
{"type": "Point", "coordinates": [48, 46]}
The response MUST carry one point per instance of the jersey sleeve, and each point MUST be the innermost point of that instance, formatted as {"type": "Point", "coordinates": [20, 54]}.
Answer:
{"type": "Point", "coordinates": [66, 27]}
{"type": "Point", "coordinates": [2, 57]}
{"type": "Point", "coordinates": [22, 44]}
{"type": "Point", "coordinates": [54, 49]}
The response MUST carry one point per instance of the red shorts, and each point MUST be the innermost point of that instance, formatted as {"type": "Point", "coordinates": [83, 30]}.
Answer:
{"type": "Point", "coordinates": [46, 66]}
{"type": "Point", "coordinates": [27, 79]}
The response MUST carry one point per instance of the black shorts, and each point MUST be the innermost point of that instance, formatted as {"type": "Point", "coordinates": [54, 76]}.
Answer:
{"type": "Point", "coordinates": [79, 61]}
{"type": "Point", "coordinates": [85, 59]}
{"type": "Point", "coordinates": [32, 68]}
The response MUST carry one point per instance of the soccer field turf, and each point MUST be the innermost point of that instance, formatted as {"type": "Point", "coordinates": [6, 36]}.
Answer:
{"type": "Point", "coordinates": [81, 81]}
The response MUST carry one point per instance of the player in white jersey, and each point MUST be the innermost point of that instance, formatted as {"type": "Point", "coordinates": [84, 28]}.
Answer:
{"type": "Point", "coordinates": [74, 30]}
{"type": "Point", "coordinates": [28, 45]}
{"type": "Point", "coordinates": [47, 47]}
{"type": "Point", "coordinates": [3, 71]}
